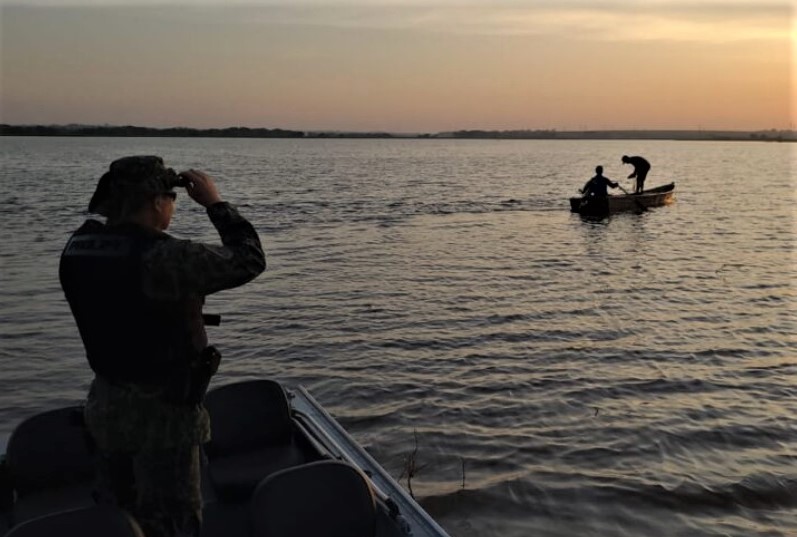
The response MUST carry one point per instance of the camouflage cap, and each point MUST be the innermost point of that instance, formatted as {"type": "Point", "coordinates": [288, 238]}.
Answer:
{"type": "Point", "coordinates": [139, 176]}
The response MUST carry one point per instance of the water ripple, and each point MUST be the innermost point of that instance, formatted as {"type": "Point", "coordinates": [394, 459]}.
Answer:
{"type": "Point", "coordinates": [557, 376]}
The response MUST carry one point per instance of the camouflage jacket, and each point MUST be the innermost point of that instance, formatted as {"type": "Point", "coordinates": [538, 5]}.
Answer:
{"type": "Point", "coordinates": [131, 417]}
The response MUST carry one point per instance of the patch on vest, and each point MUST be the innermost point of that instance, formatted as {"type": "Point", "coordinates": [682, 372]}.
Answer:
{"type": "Point", "coordinates": [98, 246]}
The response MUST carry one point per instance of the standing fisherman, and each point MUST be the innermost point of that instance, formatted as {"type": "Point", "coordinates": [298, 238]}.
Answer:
{"type": "Point", "coordinates": [641, 169]}
{"type": "Point", "coordinates": [136, 294]}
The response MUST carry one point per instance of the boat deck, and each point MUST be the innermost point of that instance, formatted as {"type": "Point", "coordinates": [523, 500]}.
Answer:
{"type": "Point", "coordinates": [296, 472]}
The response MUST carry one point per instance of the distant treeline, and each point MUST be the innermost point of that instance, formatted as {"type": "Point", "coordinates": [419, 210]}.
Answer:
{"type": "Point", "coordinates": [181, 132]}
{"type": "Point", "coordinates": [544, 134]}
{"type": "Point", "coordinates": [515, 134]}
{"type": "Point", "coordinates": [768, 135]}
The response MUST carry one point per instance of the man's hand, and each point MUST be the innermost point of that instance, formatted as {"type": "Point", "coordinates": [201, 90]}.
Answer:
{"type": "Point", "coordinates": [201, 187]}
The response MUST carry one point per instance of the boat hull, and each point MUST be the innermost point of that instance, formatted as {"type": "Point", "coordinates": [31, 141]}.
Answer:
{"type": "Point", "coordinates": [656, 197]}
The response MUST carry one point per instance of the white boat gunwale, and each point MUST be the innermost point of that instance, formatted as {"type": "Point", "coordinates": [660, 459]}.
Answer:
{"type": "Point", "coordinates": [421, 524]}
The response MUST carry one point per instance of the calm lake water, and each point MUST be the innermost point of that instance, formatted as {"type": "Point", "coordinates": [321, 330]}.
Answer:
{"type": "Point", "coordinates": [635, 376]}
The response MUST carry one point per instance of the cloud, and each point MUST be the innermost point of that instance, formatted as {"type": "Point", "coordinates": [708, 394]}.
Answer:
{"type": "Point", "coordinates": [713, 21]}
{"type": "Point", "coordinates": [706, 21]}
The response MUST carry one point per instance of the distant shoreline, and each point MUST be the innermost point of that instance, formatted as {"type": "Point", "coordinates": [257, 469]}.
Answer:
{"type": "Point", "coordinates": [771, 135]}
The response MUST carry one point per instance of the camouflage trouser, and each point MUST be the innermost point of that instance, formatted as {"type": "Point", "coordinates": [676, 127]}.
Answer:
{"type": "Point", "coordinates": [161, 489]}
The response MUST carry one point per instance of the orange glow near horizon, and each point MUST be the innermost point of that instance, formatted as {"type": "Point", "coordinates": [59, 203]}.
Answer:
{"type": "Point", "coordinates": [312, 66]}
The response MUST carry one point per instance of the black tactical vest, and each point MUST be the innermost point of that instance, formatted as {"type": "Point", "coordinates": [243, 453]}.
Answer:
{"type": "Point", "coordinates": [127, 336]}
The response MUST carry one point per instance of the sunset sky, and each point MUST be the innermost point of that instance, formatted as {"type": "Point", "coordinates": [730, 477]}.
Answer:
{"type": "Point", "coordinates": [401, 66]}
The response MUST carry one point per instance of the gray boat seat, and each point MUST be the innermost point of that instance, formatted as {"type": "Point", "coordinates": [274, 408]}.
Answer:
{"type": "Point", "coordinates": [96, 521]}
{"type": "Point", "coordinates": [252, 437]}
{"type": "Point", "coordinates": [327, 498]}
{"type": "Point", "coordinates": [50, 464]}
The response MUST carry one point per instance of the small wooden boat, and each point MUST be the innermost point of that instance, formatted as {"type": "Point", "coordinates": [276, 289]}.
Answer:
{"type": "Point", "coordinates": [656, 197]}
{"type": "Point", "coordinates": [278, 465]}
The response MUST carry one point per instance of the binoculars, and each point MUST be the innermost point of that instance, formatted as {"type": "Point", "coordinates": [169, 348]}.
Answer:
{"type": "Point", "coordinates": [179, 180]}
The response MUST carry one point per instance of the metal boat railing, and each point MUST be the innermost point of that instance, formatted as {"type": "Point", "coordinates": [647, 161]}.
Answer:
{"type": "Point", "coordinates": [336, 440]}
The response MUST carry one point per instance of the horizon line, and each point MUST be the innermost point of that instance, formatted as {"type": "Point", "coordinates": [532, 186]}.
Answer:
{"type": "Point", "coordinates": [384, 131]}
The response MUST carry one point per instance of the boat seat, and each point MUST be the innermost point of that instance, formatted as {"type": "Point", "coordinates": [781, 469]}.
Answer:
{"type": "Point", "coordinates": [95, 521]}
{"type": "Point", "coordinates": [224, 519]}
{"type": "Point", "coordinates": [6, 496]}
{"type": "Point", "coordinates": [327, 498]}
{"type": "Point", "coordinates": [252, 436]}
{"type": "Point", "coordinates": [50, 464]}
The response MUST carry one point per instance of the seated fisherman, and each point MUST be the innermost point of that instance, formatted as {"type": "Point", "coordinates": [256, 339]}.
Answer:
{"type": "Point", "coordinates": [597, 186]}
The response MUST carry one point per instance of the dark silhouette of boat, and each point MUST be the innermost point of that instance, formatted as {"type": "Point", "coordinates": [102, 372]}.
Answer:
{"type": "Point", "coordinates": [597, 206]}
